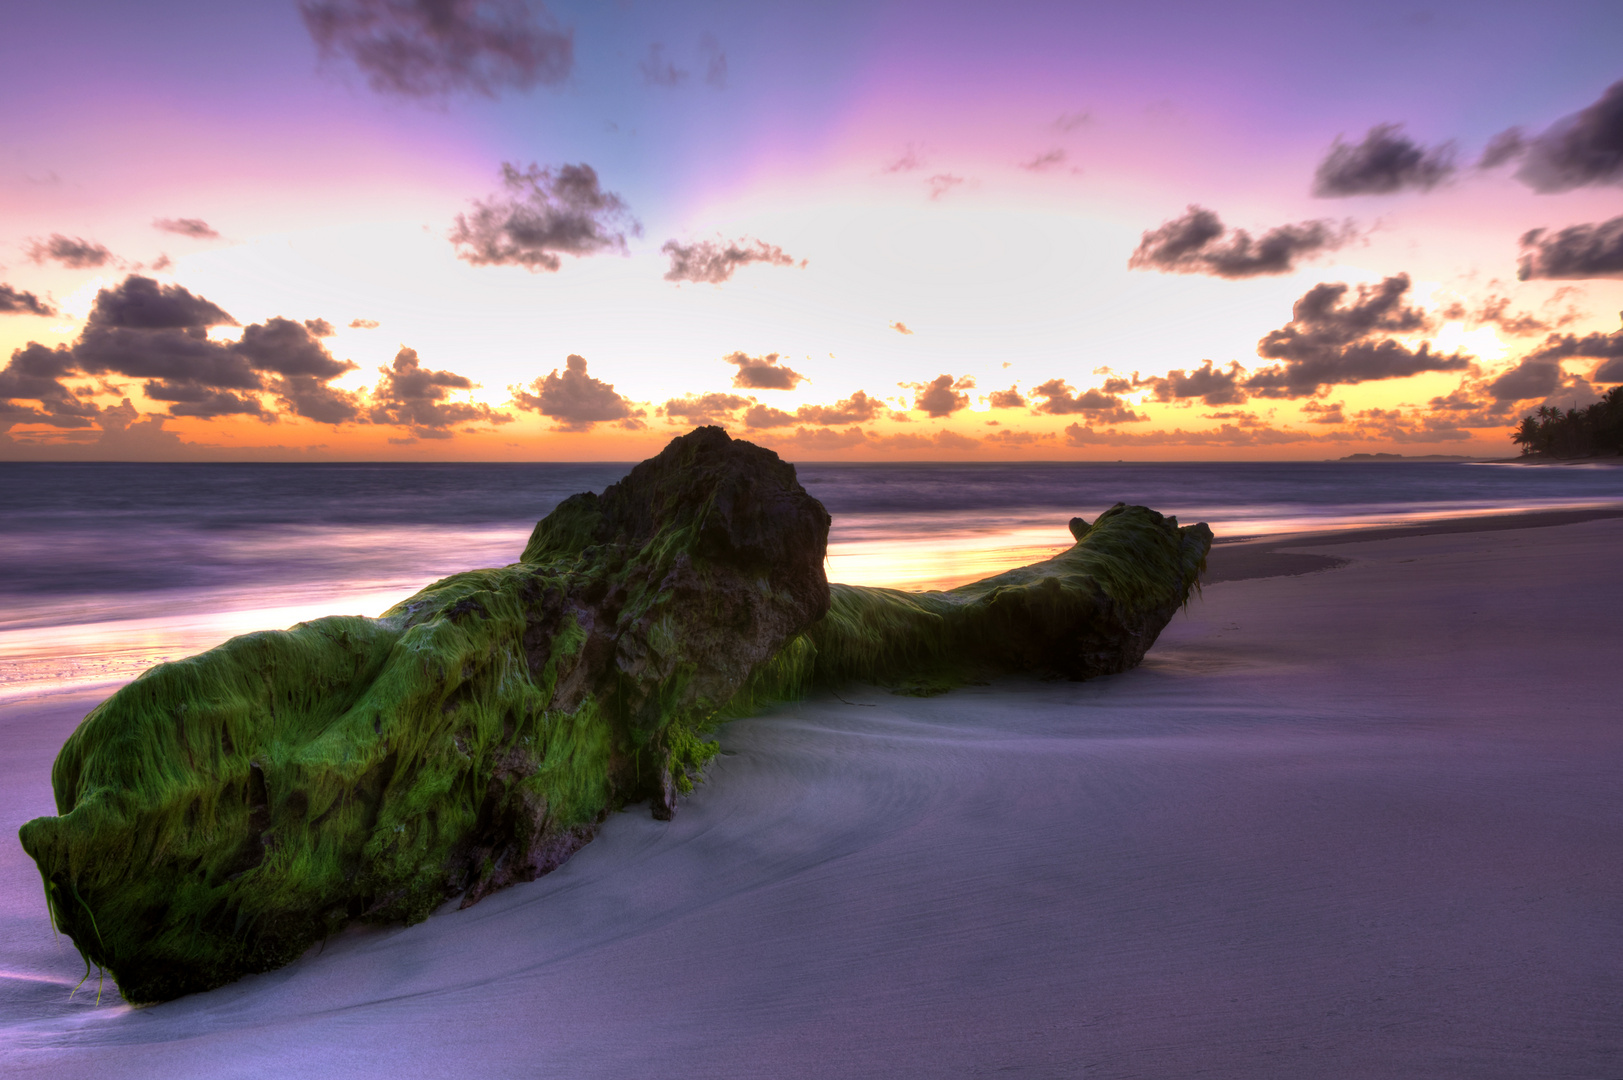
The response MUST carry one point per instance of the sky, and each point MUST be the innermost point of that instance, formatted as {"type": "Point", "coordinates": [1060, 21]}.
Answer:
{"type": "Point", "coordinates": [495, 230]}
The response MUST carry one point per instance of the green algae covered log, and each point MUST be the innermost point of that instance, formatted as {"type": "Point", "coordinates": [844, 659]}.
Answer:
{"type": "Point", "coordinates": [221, 814]}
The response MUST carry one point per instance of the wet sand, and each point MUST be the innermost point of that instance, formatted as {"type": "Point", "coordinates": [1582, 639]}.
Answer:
{"type": "Point", "coordinates": [1364, 822]}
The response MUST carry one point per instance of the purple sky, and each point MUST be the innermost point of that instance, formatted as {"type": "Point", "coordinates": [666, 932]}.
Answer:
{"type": "Point", "coordinates": [873, 196]}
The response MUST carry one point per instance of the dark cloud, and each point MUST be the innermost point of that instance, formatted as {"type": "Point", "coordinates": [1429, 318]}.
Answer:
{"type": "Point", "coordinates": [1006, 399]}
{"type": "Point", "coordinates": [35, 373]}
{"type": "Point", "coordinates": [1608, 348]}
{"type": "Point", "coordinates": [544, 213]}
{"type": "Point", "coordinates": [196, 228]}
{"type": "Point", "coordinates": [715, 63]}
{"type": "Point", "coordinates": [763, 372]}
{"type": "Point", "coordinates": [1045, 161]}
{"type": "Point", "coordinates": [1501, 148]}
{"type": "Point", "coordinates": [185, 357]}
{"type": "Point", "coordinates": [71, 251]}
{"type": "Point", "coordinates": [285, 347]}
{"type": "Point", "coordinates": [414, 397]}
{"type": "Point", "coordinates": [320, 327]}
{"type": "Point", "coordinates": [574, 399]}
{"type": "Point", "coordinates": [941, 183]}
{"type": "Point", "coordinates": [1061, 400]}
{"type": "Point", "coordinates": [187, 398]}
{"type": "Point", "coordinates": [1533, 377]}
{"type": "Point", "coordinates": [1199, 243]}
{"type": "Point", "coordinates": [901, 328]}
{"type": "Point", "coordinates": [139, 303]}
{"type": "Point", "coordinates": [1578, 251]}
{"type": "Point", "coordinates": [363, 324]}
{"type": "Point", "coordinates": [1578, 150]}
{"type": "Point", "coordinates": [1207, 383]}
{"type": "Point", "coordinates": [312, 398]}
{"type": "Point", "coordinates": [715, 262]}
{"type": "Point", "coordinates": [658, 71]}
{"type": "Point", "coordinates": [940, 396]}
{"type": "Point", "coordinates": [430, 48]}
{"type": "Point", "coordinates": [16, 302]}
{"type": "Point", "coordinates": [1385, 162]}
{"type": "Point", "coordinates": [702, 409]}
{"type": "Point", "coordinates": [1329, 342]}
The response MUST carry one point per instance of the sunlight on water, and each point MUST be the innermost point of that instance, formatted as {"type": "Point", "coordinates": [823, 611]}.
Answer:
{"type": "Point", "coordinates": [95, 593]}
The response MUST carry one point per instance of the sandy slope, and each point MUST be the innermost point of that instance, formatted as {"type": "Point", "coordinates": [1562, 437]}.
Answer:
{"type": "Point", "coordinates": [1359, 823]}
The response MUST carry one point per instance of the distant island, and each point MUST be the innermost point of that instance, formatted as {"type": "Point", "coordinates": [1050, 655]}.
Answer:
{"type": "Point", "coordinates": [1402, 457]}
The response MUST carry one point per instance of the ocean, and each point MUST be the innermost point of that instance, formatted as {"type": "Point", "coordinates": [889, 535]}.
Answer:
{"type": "Point", "coordinates": [106, 569]}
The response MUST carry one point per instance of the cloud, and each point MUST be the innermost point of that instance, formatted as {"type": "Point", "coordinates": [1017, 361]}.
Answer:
{"type": "Point", "coordinates": [1608, 348]}
{"type": "Point", "coordinates": [412, 396]}
{"type": "Point", "coordinates": [1006, 399]}
{"type": "Point", "coordinates": [544, 212]}
{"type": "Point", "coordinates": [1100, 406]}
{"type": "Point", "coordinates": [289, 348]}
{"type": "Point", "coordinates": [857, 408]}
{"type": "Point", "coordinates": [1533, 377]}
{"type": "Point", "coordinates": [320, 327]}
{"type": "Point", "coordinates": [715, 63]}
{"type": "Point", "coordinates": [1199, 243]}
{"type": "Point", "coordinates": [1011, 437]}
{"type": "Point", "coordinates": [941, 183]}
{"type": "Point", "coordinates": [658, 71]}
{"type": "Point", "coordinates": [1578, 251]}
{"type": "Point", "coordinates": [763, 372]}
{"type": "Point", "coordinates": [940, 396]}
{"type": "Point", "coordinates": [185, 358]}
{"type": "Point", "coordinates": [715, 261]}
{"type": "Point", "coordinates": [1578, 150]}
{"type": "Point", "coordinates": [908, 161]}
{"type": "Point", "coordinates": [196, 228]}
{"type": "Point", "coordinates": [822, 440]}
{"type": "Point", "coordinates": [901, 328]}
{"type": "Point", "coordinates": [576, 400]}
{"type": "Point", "coordinates": [431, 48]}
{"type": "Point", "coordinates": [196, 399]}
{"type": "Point", "coordinates": [363, 324]}
{"type": "Point", "coordinates": [16, 302]}
{"type": "Point", "coordinates": [35, 373]}
{"type": "Point", "coordinates": [1212, 386]}
{"type": "Point", "coordinates": [1501, 148]}
{"type": "Point", "coordinates": [704, 409]}
{"type": "Point", "coordinates": [71, 251]}
{"type": "Point", "coordinates": [294, 352]}
{"type": "Point", "coordinates": [1072, 120]}
{"type": "Point", "coordinates": [1045, 161]}
{"type": "Point", "coordinates": [1224, 435]}
{"type": "Point", "coordinates": [139, 303]}
{"type": "Point", "coordinates": [1495, 310]}
{"type": "Point", "coordinates": [1386, 161]}
{"type": "Point", "coordinates": [1329, 342]}
{"type": "Point", "coordinates": [765, 416]}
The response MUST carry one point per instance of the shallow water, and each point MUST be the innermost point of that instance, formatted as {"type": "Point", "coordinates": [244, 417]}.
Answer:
{"type": "Point", "coordinates": [106, 569]}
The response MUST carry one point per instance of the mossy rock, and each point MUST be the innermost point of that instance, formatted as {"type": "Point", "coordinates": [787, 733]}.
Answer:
{"type": "Point", "coordinates": [221, 814]}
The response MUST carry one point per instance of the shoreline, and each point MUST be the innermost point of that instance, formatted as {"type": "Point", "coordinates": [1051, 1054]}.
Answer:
{"type": "Point", "coordinates": [1249, 558]}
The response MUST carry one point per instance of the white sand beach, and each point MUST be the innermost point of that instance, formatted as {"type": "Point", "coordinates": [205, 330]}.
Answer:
{"type": "Point", "coordinates": [1362, 822]}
